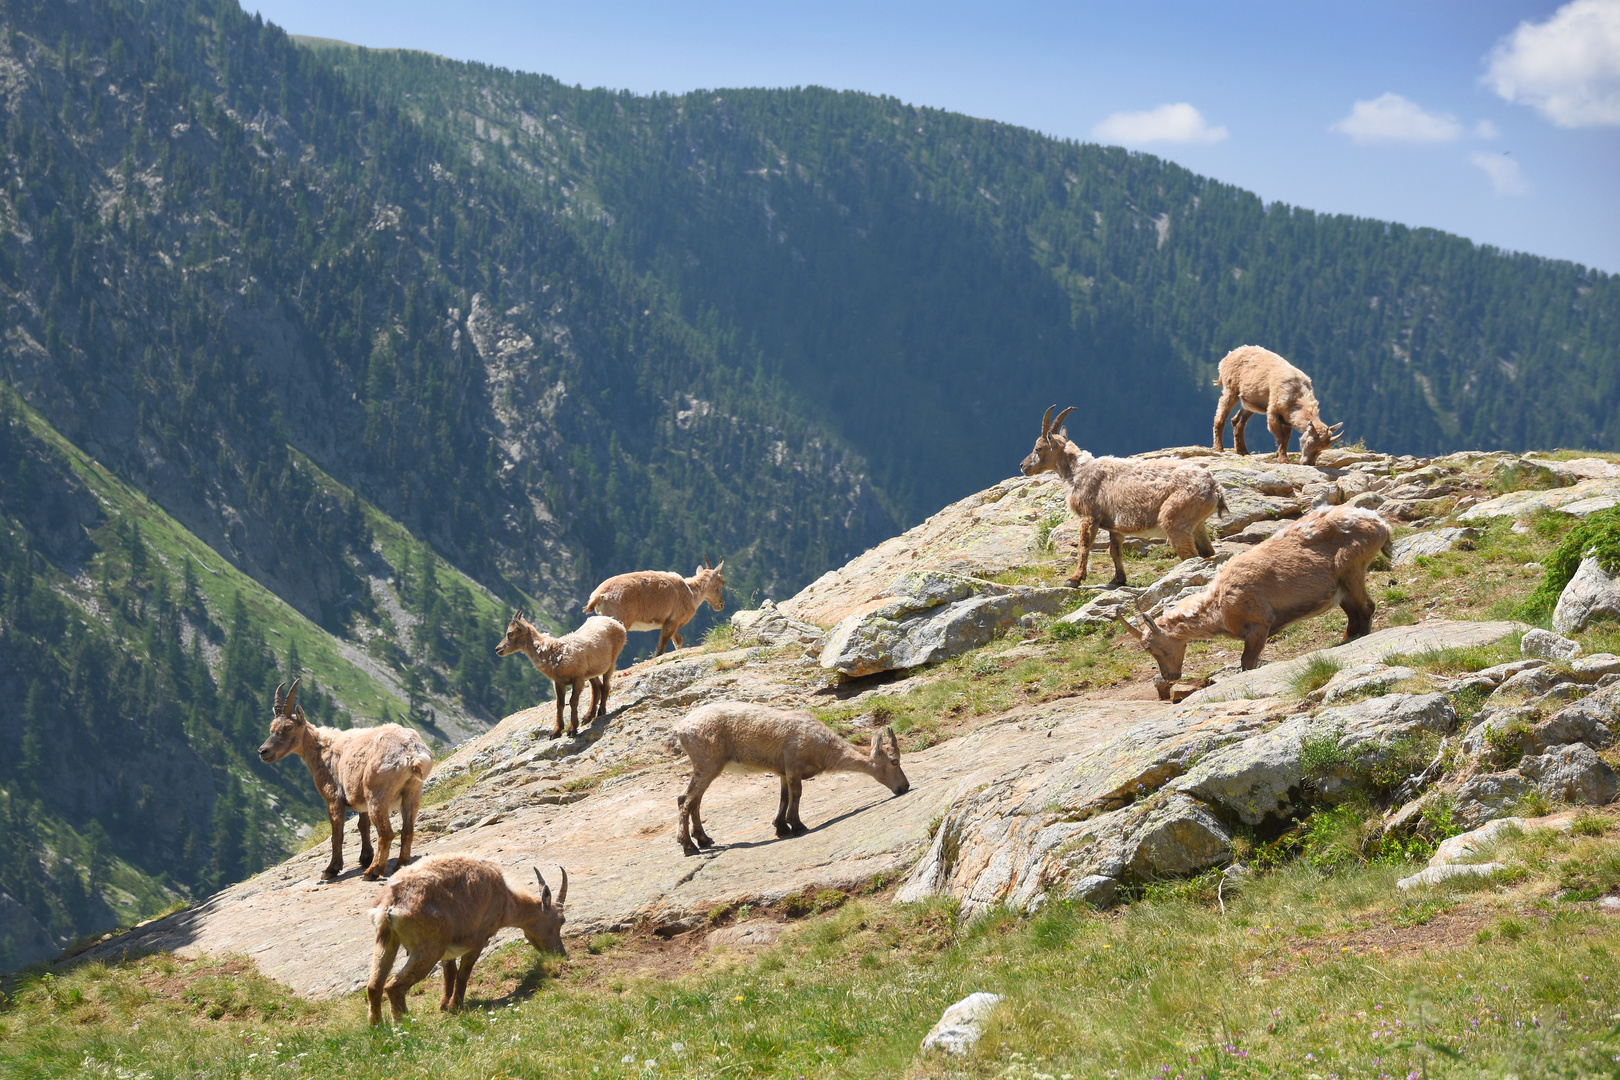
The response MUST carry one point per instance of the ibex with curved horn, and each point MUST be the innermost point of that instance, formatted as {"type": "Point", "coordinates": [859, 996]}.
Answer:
{"type": "Point", "coordinates": [1127, 497]}
{"type": "Point", "coordinates": [1257, 380]}
{"type": "Point", "coordinates": [372, 771]}
{"type": "Point", "coordinates": [448, 907]}
{"type": "Point", "coordinates": [1299, 571]}
{"type": "Point", "coordinates": [659, 600]}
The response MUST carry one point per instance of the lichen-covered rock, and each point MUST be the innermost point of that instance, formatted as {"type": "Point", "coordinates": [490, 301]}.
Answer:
{"type": "Point", "coordinates": [1103, 610]}
{"type": "Point", "coordinates": [1486, 797]}
{"type": "Point", "coordinates": [1573, 773]}
{"type": "Point", "coordinates": [1184, 578]}
{"type": "Point", "coordinates": [1546, 645]}
{"type": "Point", "coordinates": [1265, 776]}
{"type": "Point", "coordinates": [1592, 721]}
{"type": "Point", "coordinates": [1589, 669]}
{"type": "Point", "coordinates": [1590, 593]}
{"type": "Point", "coordinates": [934, 616]}
{"type": "Point", "coordinates": [1363, 679]}
{"type": "Point", "coordinates": [767, 625]}
{"type": "Point", "coordinates": [1433, 542]}
{"type": "Point", "coordinates": [1531, 683]}
{"type": "Point", "coordinates": [1098, 890]}
{"type": "Point", "coordinates": [1585, 497]}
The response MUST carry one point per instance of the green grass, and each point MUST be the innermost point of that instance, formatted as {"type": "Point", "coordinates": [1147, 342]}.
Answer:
{"type": "Point", "coordinates": [1314, 675]}
{"type": "Point", "coordinates": [1597, 535]}
{"type": "Point", "coordinates": [1307, 972]}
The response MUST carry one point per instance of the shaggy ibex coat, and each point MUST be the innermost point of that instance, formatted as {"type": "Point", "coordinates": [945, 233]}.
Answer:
{"type": "Point", "coordinates": [659, 600]}
{"type": "Point", "coordinates": [589, 654]}
{"type": "Point", "coordinates": [793, 745]}
{"type": "Point", "coordinates": [449, 906]}
{"type": "Point", "coordinates": [1299, 571]}
{"type": "Point", "coordinates": [1257, 380]}
{"type": "Point", "coordinates": [371, 770]}
{"type": "Point", "coordinates": [1128, 498]}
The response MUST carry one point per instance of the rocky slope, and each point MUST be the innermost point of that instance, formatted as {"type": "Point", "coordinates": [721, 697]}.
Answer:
{"type": "Point", "coordinates": [1088, 790]}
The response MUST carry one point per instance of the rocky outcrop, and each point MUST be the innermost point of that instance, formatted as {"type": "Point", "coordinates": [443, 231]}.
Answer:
{"type": "Point", "coordinates": [1543, 645]}
{"type": "Point", "coordinates": [1409, 548]}
{"type": "Point", "coordinates": [933, 616]}
{"type": "Point", "coordinates": [1578, 500]}
{"type": "Point", "coordinates": [1590, 594]}
{"type": "Point", "coordinates": [1572, 773]}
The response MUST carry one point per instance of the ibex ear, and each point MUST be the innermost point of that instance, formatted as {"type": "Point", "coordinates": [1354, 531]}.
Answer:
{"type": "Point", "coordinates": [298, 711]}
{"type": "Point", "coordinates": [545, 890]}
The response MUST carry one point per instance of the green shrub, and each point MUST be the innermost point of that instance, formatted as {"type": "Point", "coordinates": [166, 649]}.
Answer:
{"type": "Point", "coordinates": [1597, 534]}
{"type": "Point", "coordinates": [1068, 631]}
{"type": "Point", "coordinates": [1321, 754]}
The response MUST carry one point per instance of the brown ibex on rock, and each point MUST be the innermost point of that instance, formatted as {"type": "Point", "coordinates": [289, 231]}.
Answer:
{"type": "Point", "coordinates": [1300, 571]}
{"type": "Point", "coordinates": [371, 770]}
{"type": "Point", "coordinates": [1128, 498]}
{"type": "Point", "coordinates": [1257, 380]}
{"type": "Point", "coordinates": [449, 906]}
{"type": "Point", "coordinates": [589, 654]}
{"type": "Point", "coordinates": [659, 600]}
{"type": "Point", "coordinates": [794, 745]}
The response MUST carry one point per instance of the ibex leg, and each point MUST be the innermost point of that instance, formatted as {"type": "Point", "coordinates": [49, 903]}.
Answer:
{"type": "Point", "coordinates": [385, 840]}
{"type": "Point", "coordinates": [382, 962]}
{"type": "Point", "coordinates": [365, 838]}
{"type": "Point", "coordinates": [417, 968]}
{"type": "Point", "coordinates": [468, 958]}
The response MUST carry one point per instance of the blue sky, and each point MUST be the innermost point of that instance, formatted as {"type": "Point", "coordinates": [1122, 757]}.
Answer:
{"type": "Point", "coordinates": [1496, 120]}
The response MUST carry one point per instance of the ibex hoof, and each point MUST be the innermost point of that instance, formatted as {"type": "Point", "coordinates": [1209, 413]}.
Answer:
{"type": "Point", "coordinates": [784, 830]}
{"type": "Point", "coordinates": [1073, 582]}
{"type": "Point", "coordinates": [689, 848]}
{"type": "Point", "coordinates": [331, 872]}
{"type": "Point", "coordinates": [799, 828]}
{"type": "Point", "coordinates": [703, 841]}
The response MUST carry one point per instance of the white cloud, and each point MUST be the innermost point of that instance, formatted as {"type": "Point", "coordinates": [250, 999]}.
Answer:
{"type": "Point", "coordinates": [1567, 67]}
{"type": "Point", "coordinates": [1485, 130]}
{"type": "Point", "coordinates": [1392, 118]}
{"type": "Point", "coordinates": [1178, 123]}
{"type": "Point", "coordinates": [1504, 173]}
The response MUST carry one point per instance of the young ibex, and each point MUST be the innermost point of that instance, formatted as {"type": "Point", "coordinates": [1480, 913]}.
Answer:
{"type": "Point", "coordinates": [793, 745]}
{"type": "Point", "coordinates": [371, 770]}
{"type": "Point", "coordinates": [449, 906]}
{"type": "Point", "coordinates": [589, 654]}
{"type": "Point", "coordinates": [1128, 498]}
{"type": "Point", "coordinates": [659, 600]}
{"type": "Point", "coordinates": [1299, 571]}
{"type": "Point", "coordinates": [1257, 380]}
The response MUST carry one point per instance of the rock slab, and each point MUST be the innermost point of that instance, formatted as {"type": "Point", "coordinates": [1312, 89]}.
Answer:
{"type": "Point", "coordinates": [961, 1025]}
{"type": "Point", "coordinates": [1591, 593]}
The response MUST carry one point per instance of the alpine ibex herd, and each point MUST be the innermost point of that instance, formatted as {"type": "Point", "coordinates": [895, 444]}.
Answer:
{"type": "Point", "coordinates": [446, 908]}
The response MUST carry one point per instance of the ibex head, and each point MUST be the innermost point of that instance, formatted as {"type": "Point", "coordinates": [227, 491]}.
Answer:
{"type": "Point", "coordinates": [287, 725]}
{"type": "Point", "coordinates": [544, 926]}
{"type": "Point", "coordinates": [519, 636]}
{"type": "Point", "coordinates": [1316, 438]}
{"type": "Point", "coordinates": [886, 762]}
{"type": "Point", "coordinates": [1044, 457]}
{"type": "Point", "coordinates": [711, 582]}
{"type": "Point", "coordinates": [1170, 652]}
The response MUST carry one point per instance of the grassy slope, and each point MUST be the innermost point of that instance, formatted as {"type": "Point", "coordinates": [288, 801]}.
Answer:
{"type": "Point", "coordinates": [1304, 973]}
{"type": "Point", "coordinates": [355, 690]}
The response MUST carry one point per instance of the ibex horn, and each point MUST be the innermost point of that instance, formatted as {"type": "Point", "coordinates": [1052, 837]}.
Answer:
{"type": "Point", "coordinates": [1126, 623]}
{"type": "Point", "coordinates": [1058, 423]}
{"type": "Point", "coordinates": [562, 892]}
{"type": "Point", "coordinates": [1046, 421]}
{"type": "Point", "coordinates": [545, 890]}
{"type": "Point", "coordinates": [281, 695]}
{"type": "Point", "coordinates": [707, 565]}
{"type": "Point", "coordinates": [291, 694]}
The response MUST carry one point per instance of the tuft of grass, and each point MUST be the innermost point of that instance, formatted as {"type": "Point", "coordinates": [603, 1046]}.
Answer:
{"type": "Point", "coordinates": [1589, 823]}
{"type": "Point", "coordinates": [1316, 673]}
{"type": "Point", "coordinates": [1598, 536]}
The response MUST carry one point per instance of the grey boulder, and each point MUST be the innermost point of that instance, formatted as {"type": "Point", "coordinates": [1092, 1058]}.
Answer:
{"type": "Point", "coordinates": [961, 1025]}
{"type": "Point", "coordinates": [1573, 773]}
{"type": "Point", "coordinates": [1589, 594]}
{"type": "Point", "coordinates": [1409, 548]}
{"type": "Point", "coordinates": [1548, 646]}
{"type": "Point", "coordinates": [1486, 797]}
{"type": "Point", "coordinates": [934, 616]}
{"type": "Point", "coordinates": [1437, 875]}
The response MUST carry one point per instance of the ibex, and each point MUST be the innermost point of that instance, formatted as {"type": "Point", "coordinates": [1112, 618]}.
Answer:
{"type": "Point", "coordinates": [449, 906]}
{"type": "Point", "coordinates": [1257, 380]}
{"type": "Point", "coordinates": [659, 600]}
{"type": "Point", "coordinates": [589, 654]}
{"type": "Point", "coordinates": [793, 745]}
{"type": "Point", "coordinates": [1301, 570]}
{"type": "Point", "coordinates": [371, 770]}
{"type": "Point", "coordinates": [1128, 498]}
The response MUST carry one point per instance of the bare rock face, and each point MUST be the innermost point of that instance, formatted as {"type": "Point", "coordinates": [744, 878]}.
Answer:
{"type": "Point", "coordinates": [1487, 796]}
{"type": "Point", "coordinates": [1590, 593]}
{"type": "Point", "coordinates": [934, 616]}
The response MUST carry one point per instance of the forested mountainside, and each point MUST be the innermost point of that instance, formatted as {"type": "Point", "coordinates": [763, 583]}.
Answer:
{"type": "Point", "coordinates": [928, 282]}
{"type": "Point", "coordinates": [318, 360]}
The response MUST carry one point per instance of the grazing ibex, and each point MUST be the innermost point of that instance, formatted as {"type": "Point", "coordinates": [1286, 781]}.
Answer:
{"type": "Point", "coordinates": [659, 600]}
{"type": "Point", "coordinates": [794, 745]}
{"type": "Point", "coordinates": [1257, 380]}
{"type": "Point", "coordinates": [1128, 498]}
{"type": "Point", "coordinates": [1301, 570]}
{"type": "Point", "coordinates": [449, 906]}
{"type": "Point", "coordinates": [370, 770]}
{"type": "Point", "coordinates": [589, 654]}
